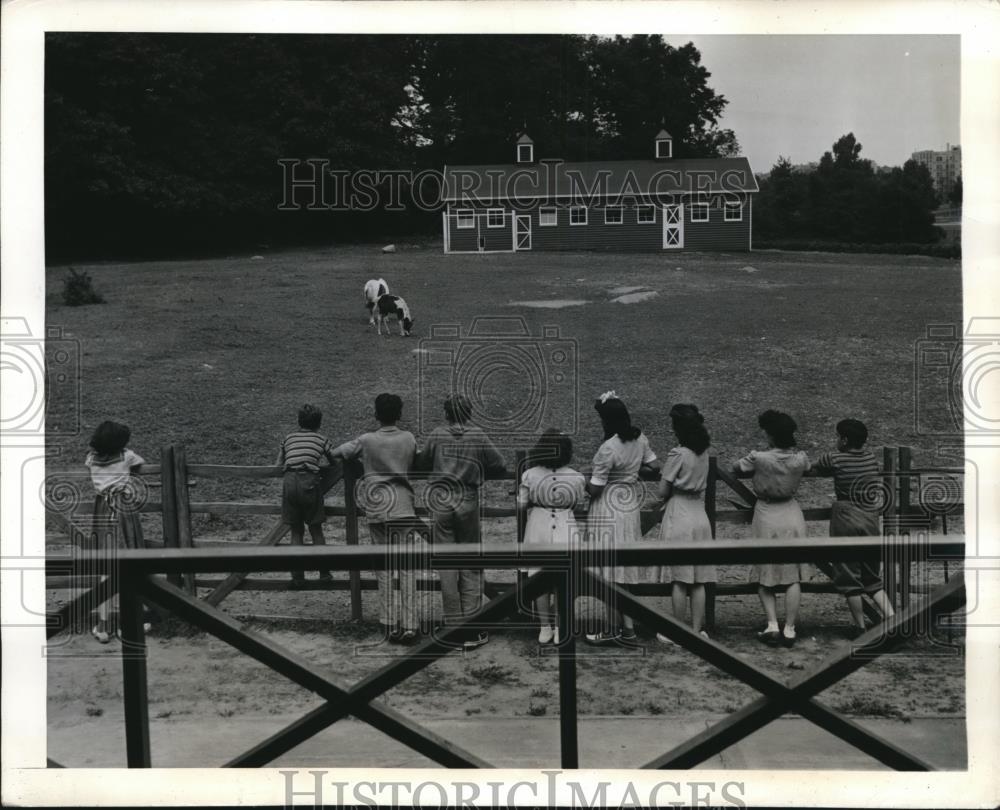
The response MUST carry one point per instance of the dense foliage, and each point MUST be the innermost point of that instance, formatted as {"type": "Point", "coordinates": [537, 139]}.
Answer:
{"type": "Point", "coordinates": [846, 199]}
{"type": "Point", "coordinates": [168, 143]}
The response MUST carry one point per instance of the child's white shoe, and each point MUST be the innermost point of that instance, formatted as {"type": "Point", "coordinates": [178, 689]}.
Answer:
{"type": "Point", "coordinates": [545, 634]}
{"type": "Point", "coordinates": [664, 640]}
{"type": "Point", "coordinates": [555, 635]}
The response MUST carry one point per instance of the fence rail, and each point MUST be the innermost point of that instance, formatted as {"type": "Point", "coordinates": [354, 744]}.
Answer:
{"type": "Point", "coordinates": [176, 508]}
{"type": "Point", "coordinates": [566, 570]}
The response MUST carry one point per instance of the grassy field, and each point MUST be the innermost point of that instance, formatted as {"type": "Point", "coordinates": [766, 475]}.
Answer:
{"type": "Point", "coordinates": [218, 354]}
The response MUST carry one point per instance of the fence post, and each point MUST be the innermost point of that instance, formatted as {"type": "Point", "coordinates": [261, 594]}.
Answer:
{"type": "Point", "coordinates": [890, 523]}
{"type": "Point", "coordinates": [134, 689]}
{"type": "Point", "coordinates": [351, 533]}
{"type": "Point", "coordinates": [713, 469]}
{"type": "Point", "coordinates": [168, 484]}
{"type": "Point", "coordinates": [183, 510]}
{"type": "Point", "coordinates": [520, 518]}
{"type": "Point", "coordinates": [905, 523]}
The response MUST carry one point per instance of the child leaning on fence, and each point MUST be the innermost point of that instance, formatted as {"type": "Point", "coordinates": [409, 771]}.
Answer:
{"type": "Point", "coordinates": [386, 495]}
{"type": "Point", "coordinates": [777, 472]}
{"type": "Point", "coordinates": [304, 455]}
{"type": "Point", "coordinates": [684, 476]}
{"type": "Point", "coordinates": [854, 514]}
{"type": "Point", "coordinates": [116, 507]}
{"type": "Point", "coordinates": [549, 491]}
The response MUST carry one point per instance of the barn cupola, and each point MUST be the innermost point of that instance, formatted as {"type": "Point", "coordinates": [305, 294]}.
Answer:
{"type": "Point", "coordinates": [664, 145]}
{"type": "Point", "coordinates": [525, 150]}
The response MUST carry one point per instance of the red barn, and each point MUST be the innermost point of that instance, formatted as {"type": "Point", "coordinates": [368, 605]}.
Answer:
{"type": "Point", "coordinates": [661, 203]}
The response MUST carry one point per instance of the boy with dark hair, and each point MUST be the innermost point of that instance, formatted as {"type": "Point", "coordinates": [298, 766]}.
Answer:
{"type": "Point", "coordinates": [460, 457]}
{"type": "Point", "coordinates": [386, 494]}
{"type": "Point", "coordinates": [855, 472]}
{"type": "Point", "coordinates": [301, 455]}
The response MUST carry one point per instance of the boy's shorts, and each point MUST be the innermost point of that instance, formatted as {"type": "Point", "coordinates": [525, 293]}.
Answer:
{"type": "Point", "coordinates": [302, 498]}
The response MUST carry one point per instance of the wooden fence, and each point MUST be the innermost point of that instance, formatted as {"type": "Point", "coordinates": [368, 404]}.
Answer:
{"type": "Point", "coordinates": [562, 569]}
{"type": "Point", "coordinates": [906, 510]}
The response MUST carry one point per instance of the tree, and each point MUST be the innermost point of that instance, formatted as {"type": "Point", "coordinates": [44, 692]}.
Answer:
{"type": "Point", "coordinates": [955, 195]}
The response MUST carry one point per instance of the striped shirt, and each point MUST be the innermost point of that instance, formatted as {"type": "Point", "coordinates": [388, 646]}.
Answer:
{"type": "Point", "coordinates": [852, 470]}
{"type": "Point", "coordinates": [303, 450]}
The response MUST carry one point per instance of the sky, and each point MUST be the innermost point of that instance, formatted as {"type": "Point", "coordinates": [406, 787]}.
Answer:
{"type": "Point", "coordinates": [795, 95]}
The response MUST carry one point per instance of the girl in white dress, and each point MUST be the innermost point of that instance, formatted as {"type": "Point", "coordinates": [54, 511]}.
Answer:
{"type": "Point", "coordinates": [550, 489]}
{"type": "Point", "coordinates": [776, 475]}
{"type": "Point", "coordinates": [684, 476]}
{"type": "Point", "coordinates": [615, 500]}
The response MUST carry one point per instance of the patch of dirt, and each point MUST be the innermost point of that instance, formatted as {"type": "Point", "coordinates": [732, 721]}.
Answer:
{"type": "Point", "coordinates": [559, 303]}
{"type": "Point", "coordinates": [635, 298]}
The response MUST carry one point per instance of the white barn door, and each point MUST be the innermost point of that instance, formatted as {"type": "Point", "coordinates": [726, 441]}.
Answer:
{"type": "Point", "coordinates": [673, 226]}
{"type": "Point", "coordinates": [522, 232]}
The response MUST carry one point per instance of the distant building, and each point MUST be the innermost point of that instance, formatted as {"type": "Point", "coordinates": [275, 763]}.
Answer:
{"type": "Point", "coordinates": [945, 167]}
{"type": "Point", "coordinates": [659, 203]}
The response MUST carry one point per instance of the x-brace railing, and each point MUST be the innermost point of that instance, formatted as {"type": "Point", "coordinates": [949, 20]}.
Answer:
{"type": "Point", "coordinates": [566, 571]}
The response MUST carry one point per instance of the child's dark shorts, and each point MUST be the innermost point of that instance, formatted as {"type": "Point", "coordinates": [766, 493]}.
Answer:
{"type": "Point", "coordinates": [863, 576]}
{"type": "Point", "coordinates": [302, 498]}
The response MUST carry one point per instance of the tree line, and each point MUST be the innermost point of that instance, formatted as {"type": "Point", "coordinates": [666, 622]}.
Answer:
{"type": "Point", "coordinates": [166, 144]}
{"type": "Point", "coordinates": [846, 199]}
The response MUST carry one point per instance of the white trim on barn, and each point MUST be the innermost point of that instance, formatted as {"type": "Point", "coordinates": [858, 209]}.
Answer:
{"type": "Point", "coordinates": [491, 212]}
{"type": "Point", "coordinates": [463, 215]}
{"type": "Point", "coordinates": [621, 214]}
{"type": "Point", "coordinates": [575, 209]}
{"type": "Point", "coordinates": [699, 211]}
{"type": "Point", "coordinates": [650, 209]}
{"type": "Point", "coordinates": [728, 206]}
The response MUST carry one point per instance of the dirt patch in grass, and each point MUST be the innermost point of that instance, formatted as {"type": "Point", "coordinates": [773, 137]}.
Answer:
{"type": "Point", "coordinates": [557, 303]}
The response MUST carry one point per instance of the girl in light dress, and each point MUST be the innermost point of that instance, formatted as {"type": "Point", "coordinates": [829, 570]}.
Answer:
{"type": "Point", "coordinates": [684, 475]}
{"type": "Point", "coordinates": [615, 500]}
{"type": "Point", "coordinates": [113, 467]}
{"type": "Point", "coordinates": [549, 491]}
{"type": "Point", "coordinates": [776, 475]}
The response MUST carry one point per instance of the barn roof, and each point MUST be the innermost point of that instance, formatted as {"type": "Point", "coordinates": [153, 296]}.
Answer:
{"type": "Point", "coordinates": [553, 178]}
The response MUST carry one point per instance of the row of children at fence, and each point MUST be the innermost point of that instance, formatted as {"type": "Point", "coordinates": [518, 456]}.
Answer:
{"type": "Point", "coordinates": [550, 490]}
{"type": "Point", "coordinates": [459, 454]}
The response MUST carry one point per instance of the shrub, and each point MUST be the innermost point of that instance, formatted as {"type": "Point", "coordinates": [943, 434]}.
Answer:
{"type": "Point", "coordinates": [78, 290]}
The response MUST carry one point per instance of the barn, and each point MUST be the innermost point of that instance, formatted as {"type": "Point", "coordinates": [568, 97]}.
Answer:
{"type": "Point", "coordinates": [659, 203]}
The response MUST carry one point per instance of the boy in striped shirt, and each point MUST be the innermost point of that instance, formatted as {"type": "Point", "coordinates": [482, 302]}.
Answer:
{"type": "Point", "coordinates": [302, 454]}
{"type": "Point", "coordinates": [855, 480]}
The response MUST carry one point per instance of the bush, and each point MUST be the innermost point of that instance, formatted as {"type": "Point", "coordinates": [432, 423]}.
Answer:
{"type": "Point", "coordinates": [78, 290]}
{"type": "Point", "coordinates": [941, 250]}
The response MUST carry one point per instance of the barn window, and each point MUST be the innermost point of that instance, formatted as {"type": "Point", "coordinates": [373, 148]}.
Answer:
{"type": "Point", "coordinates": [525, 153]}
{"type": "Point", "coordinates": [664, 148]}
{"type": "Point", "coordinates": [465, 219]}
{"type": "Point", "coordinates": [495, 218]}
{"type": "Point", "coordinates": [734, 212]}
{"type": "Point", "coordinates": [645, 214]}
{"type": "Point", "coordinates": [699, 212]}
{"type": "Point", "coordinates": [578, 215]}
{"type": "Point", "coordinates": [613, 215]}
{"type": "Point", "coordinates": [547, 217]}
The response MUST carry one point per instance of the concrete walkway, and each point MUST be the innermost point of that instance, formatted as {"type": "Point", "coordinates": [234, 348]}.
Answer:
{"type": "Point", "coordinates": [528, 742]}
